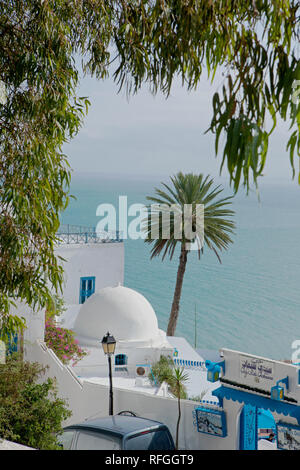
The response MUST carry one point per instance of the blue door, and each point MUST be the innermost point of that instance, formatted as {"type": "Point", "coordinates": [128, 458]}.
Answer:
{"type": "Point", "coordinates": [248, 428]}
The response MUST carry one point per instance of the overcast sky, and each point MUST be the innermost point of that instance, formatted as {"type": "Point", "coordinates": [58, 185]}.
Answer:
{"type": "Point", "coordinates": [154, 136]}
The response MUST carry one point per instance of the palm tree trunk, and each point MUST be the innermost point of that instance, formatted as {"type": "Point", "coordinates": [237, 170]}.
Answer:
{"type": "Point", "coordinates": [178, 421]}
{"type": "Point", "coordinates": [177, 293]}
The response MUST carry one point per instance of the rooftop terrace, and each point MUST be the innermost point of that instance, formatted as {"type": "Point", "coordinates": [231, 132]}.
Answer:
{"type": "Point", "coordinates": [79, 234]}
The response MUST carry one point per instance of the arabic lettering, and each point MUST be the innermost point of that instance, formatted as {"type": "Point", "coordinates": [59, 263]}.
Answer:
{"type": "Point", "coordinates": [256, 368]}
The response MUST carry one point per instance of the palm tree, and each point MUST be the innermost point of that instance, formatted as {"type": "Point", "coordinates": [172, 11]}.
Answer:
{"type": "Point", "coordinates": [197, 193]}
{"type": "Point", "coordinates": [176, 378]}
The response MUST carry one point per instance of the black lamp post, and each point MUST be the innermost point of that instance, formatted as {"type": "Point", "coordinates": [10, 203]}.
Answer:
{"type": "Point", "coordinates": [109, 346]}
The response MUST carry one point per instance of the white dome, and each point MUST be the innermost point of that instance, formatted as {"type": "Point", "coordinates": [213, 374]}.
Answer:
{"type": "Point", "coordinates": [125, 313]}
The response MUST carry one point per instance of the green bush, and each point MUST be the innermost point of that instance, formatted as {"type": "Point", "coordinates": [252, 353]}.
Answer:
{"type": "Point", "coordinates": [30, 413]}
{"type": "Point", "coordinates": [161, 368]}
{"type": "Point", "coordinates": [163, 371]}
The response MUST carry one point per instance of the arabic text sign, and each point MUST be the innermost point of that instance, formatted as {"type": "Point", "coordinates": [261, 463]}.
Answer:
{"type": "Point", "coordinates": [256, 368]}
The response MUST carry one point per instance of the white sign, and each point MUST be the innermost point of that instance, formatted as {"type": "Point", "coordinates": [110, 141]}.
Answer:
{"type": "Point", "coordinates": [255, 368]}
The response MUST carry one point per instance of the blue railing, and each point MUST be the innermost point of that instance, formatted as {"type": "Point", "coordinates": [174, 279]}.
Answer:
{"type": "Point", "coordinates": [207, 402]}
{"type": "Point", "coordinates": [189, 364]}
{"type": "Point", "coordinates": [79, 234]}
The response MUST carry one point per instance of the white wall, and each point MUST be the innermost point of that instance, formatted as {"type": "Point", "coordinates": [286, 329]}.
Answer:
{"type": "Point", "coordinates": [105, 261]}
{"type": "Point", "coordinates": [95, 363]}
{"type": "Point", "coordinates": [275, 370]}
{"type": "Point", "coordinates": [35, 321]}
{"type": "Point", "coordinates": [89, 400]}
{"type": "Point", "coordinates": [8, 445]}
{"type": "Point", "coordinates": [271, 371]}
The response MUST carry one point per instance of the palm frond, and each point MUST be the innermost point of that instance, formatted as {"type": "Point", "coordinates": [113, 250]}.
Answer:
{"type": "Point", "coordinates": [193, 190]}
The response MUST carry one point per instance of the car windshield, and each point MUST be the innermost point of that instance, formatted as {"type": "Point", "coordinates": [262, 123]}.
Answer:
{"type": "Point", "coordinates": [153, 440]}
{"type": "Point", "coordinates": [97, 441]}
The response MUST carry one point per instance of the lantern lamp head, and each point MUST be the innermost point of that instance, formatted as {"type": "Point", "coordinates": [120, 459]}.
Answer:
{"type": "Point", "coordinates": [213, 370]}
{"type": "Point", "coordinates": [277, 392]}
{"type": "Point", "coordinates": [108, 343]}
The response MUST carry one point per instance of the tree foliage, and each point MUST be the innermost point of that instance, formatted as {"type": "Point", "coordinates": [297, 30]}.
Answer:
{"type": "Point", "coordinates": [255, 43]}
{"type": "Point", "coordinates": [211, 227]}
{"type": "Point", "coordinates": [30, 412]}
{"type": "Point", "coordinates": [40, 113]}
{"type": "Point", "coordinates": [164, 371]}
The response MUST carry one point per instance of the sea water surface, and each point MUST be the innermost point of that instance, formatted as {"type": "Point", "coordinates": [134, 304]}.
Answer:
{"type": "Point", "coordinates": [250, 302]}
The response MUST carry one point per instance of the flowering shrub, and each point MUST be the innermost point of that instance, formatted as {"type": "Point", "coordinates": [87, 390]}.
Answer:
{"type": "Point", "coordinates": [63, 343]}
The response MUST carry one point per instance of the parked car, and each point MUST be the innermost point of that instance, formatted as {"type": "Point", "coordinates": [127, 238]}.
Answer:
{"type": "Point", "coordinates": [117, 433]}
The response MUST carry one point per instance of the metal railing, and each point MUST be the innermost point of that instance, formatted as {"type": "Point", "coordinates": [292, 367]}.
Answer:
{"type": "Point", "coordinates": [198, 365]}
{"type": "Point", "coordinates": [79, 234]}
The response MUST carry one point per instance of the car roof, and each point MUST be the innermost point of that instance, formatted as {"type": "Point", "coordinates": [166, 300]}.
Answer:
{"type": "Point", "coordinates": [118, 425]}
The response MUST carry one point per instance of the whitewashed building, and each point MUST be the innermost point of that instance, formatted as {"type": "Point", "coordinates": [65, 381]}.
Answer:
{"type": "Point", "coordinates": [248, 386]}
{"type": "Point", "coordinates": [132, 321]}
{"type": "Point", "coordinates": [235, 388]}
{"type": "Point", "coordinates": [91, 261]}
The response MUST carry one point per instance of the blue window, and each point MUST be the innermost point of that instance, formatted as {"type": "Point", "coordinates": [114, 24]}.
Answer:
{"type": "Point", "coordinates": [87, 288]}
{"type": "Point", "coordinates": [121, 360]}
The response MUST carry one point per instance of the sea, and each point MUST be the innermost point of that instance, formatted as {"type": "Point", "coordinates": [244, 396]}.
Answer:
{"type": "Point", "coordinates": [251, 301]}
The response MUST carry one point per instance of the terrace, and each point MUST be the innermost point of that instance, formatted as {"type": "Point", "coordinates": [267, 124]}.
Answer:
{"type": "Point", "coordinates": [79, 234]}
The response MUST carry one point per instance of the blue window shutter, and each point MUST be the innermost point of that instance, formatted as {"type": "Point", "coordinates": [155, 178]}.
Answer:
{"type": "Point", "coordinates": [87, 288]}
{"type": "Point", "coordinates": [121, 360]}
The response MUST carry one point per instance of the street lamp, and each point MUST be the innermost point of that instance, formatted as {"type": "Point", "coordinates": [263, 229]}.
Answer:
{"type": "Point", "coordinates": [109, 346]}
